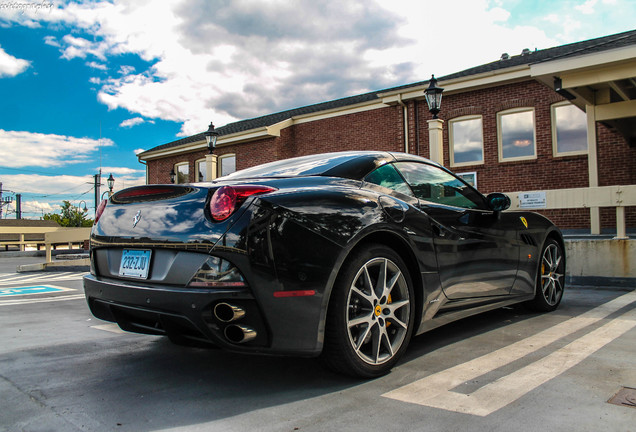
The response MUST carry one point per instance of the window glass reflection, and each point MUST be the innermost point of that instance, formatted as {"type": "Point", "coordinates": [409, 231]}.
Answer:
{"type": "Point", "coordinates": [467, 143]}
{"type": "Point", "coordinates": [386, 176]}
{"type": "Point", "coordinates": [571, 129]}
{"type": "Point", "coordinates": [431, 183]}
{"type": "Point", "coordinates": [201, 169]}
{"type": "Point", "coordinates": [227, 165]}
{"type": "Point", "coordinates": [183, 173]}
{"type": "Point", "coordinates": [517, 134]}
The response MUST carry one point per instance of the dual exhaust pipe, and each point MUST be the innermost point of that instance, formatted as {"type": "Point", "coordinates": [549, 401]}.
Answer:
{"type": "Point", "coordinates": [235, 333]}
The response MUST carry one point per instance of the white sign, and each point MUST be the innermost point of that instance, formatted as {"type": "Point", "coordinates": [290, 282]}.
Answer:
{"type": "Point", "coordinates": [532, 200]}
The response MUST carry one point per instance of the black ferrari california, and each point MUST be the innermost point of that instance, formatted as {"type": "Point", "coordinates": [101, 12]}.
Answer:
{"type": "Point", "coordinates": [345, 256]}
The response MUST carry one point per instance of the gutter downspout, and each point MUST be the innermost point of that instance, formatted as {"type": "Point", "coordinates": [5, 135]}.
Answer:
{"type": "Point", "coordinates": [146, 165]}
{"type": "Point", "coordinates": [405, 113]}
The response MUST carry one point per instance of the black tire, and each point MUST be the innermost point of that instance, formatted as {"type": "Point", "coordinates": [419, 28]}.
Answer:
{"type": "Point", "coordinates": [550, 282]}
{"type": "Point", "coordinates": [370, 316]}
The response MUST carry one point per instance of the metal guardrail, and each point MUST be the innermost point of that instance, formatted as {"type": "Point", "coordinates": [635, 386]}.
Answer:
{"type": "Point", "coordinates": [47, 236]}
{"type": "Point", "coordinates": [618, 197]}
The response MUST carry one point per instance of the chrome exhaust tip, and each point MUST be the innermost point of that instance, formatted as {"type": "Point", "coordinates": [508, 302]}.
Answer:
{"type": "Point", "coordinates": [227, 313]}
{"type": "Point", "coordinates": [239, 334]}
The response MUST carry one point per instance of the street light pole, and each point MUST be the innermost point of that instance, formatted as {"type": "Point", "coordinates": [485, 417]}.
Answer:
{"type": "Point", "coordinates": [111, 183]}
{"type": "Point", "coordinates": [211, 136]}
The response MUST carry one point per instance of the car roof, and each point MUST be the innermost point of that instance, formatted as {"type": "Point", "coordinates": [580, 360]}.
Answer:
{"type": "Point", "coordinates": [351, 164]}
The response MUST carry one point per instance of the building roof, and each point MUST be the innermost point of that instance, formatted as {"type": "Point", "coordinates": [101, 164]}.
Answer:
{"type": "Point", "coordinates": [527, 57]}
{"type": "Point", "coordinates": [28, 223]}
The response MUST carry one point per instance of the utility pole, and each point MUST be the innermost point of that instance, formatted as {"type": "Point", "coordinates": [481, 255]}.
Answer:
{"type": "Point", "coordinates": [98, 181]}
{"type": "Point", "coordinates": [18, 206]}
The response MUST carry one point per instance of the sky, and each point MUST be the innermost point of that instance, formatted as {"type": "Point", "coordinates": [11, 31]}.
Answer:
{"type": "Point", "coordinates": [87, 85]}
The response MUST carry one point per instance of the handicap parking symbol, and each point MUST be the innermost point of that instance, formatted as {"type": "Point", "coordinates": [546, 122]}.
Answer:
{"type": "Point", "coordinates": [40, 289]}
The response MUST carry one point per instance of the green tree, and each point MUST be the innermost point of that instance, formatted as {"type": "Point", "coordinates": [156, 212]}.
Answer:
{"type": "Point", "coordinates": [70, 216]}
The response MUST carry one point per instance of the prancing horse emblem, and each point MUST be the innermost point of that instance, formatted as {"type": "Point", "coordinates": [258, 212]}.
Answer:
{"type": "Point", "coordinates": [137, 218]}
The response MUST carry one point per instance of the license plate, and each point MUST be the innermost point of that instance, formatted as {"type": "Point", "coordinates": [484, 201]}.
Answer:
{"type": "Point", "coordinates": [135, 263]}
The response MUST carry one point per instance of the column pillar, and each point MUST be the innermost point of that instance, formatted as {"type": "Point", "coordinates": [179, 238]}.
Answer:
{"type": "Point", "coordinates": [210, 167]}
{"type": "Point", "coordinates": [592, 166]}
{"type": "Point", "coordinates": [436, 140]}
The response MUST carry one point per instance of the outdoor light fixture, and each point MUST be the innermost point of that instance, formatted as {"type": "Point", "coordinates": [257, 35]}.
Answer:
{"type": "Point", "coordinates": [211, 136]}
{"type": "Point", "coordinates": [111, 182]}
{"type": "Point", "coordinates": [172, 175]}
{"type": "Point", "coordinates": [434, 97]}
{"type": "Point", "coordinates": [85, 209]}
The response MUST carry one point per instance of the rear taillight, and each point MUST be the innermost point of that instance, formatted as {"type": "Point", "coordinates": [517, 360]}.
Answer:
{"type": "Point", "coordinates": [100, 210]}
{"type": "Point", "coordinates": [227, 199]}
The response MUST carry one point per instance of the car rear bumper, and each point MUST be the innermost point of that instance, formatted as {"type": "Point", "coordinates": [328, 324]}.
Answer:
{"type": "Point", "coordinates": [184, 315]}
{"type": "Point", "coordinates": [187, 316]}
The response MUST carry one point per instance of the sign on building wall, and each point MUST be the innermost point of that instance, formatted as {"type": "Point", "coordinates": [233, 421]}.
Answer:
{"type": "Point", "coordinates": [469, 177]}
{"type": "Point", "coordinates": [532, 200]}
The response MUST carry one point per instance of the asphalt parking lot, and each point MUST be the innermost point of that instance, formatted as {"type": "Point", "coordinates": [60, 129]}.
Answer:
{"type": "Point", "coordinates": [509, 369]}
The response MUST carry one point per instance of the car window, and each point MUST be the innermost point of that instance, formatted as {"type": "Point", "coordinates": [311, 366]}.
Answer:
{"type": "Point", "coordinates": [431, 183]}
{"type": "Point", "coordinates": [388, 177]}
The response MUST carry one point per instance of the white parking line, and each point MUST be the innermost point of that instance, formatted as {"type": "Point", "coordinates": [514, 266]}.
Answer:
{"type": "Point", "coordinates": [112, 328]}
{"type": "Point", "coordinates": [16, 279]}
{"type": "Point", "coordinates": [436, 390]}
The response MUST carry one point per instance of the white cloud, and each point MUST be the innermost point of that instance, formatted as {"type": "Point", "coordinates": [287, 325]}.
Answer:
{"type": "Point", "coordinates": [37, 207]}
{"type": "Point", "coordinates": [44, 186]}
{"type": "Point", "coordinates": [46, 150]}
{"type": "Point", "coordinates": [31, 209]}
{"type": "Point", "coordinates": [121, 171]}
{"type": "Point", "coordinates": [11, 66]}
{"type": "Point", "coordinates": [44, 194]}
{"type": "Point", "coordinates": [51, 40]}
{"type": "Point", "coordinates": [80, 47]}
{"type": "Point", "coordinates": [225, 61]}
{"type": "Point", "coordinates": [132, 122]}
{"type": "Point", "coordinates": [126, 70]}
{"type": "Point", "coordinates": [139, 150]}
{"type": "Point", "coordinates": [587, 7]}
{"type": "Point", "coordinates": [96, 65]}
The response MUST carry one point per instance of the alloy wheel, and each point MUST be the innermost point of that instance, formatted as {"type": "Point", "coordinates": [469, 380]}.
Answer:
{"type": "Point", "coordinates": [378, 311]}
{"type": "Point", "coordinates": [552, 274]}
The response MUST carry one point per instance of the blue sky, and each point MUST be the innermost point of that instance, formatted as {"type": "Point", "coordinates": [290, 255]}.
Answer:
{"type": "Point", "coordinates": [89, 84]}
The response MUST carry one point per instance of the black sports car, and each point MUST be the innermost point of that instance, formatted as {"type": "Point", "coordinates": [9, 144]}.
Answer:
{"type": "Point", "coordinates": [342, 255]}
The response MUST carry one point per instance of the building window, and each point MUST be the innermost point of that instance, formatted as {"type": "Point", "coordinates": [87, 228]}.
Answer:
{"type": "Point", "coordinates": [226, 164]}
{"type": "Point", "coordinates": [182, 169]}
{"type": "Point", "coordinates": [201, 169]}
{"type": "Point", "coordinates": [466, 141]}
{"type": "Point", "coordinates": [515, 130]}
{"type": "Point", "coordinates": [569, 130]}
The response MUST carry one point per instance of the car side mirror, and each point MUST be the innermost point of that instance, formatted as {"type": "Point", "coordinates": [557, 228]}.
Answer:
{"type": "Point", "coordinates": [498, 202]}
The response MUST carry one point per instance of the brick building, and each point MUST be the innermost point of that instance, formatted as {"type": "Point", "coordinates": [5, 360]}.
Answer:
{"type": "Point", "coordinates": [560, 122]}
